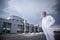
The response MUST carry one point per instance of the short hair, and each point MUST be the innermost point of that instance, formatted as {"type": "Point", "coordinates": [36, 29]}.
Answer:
{"type": "Point", "coordinates": [44, 12]}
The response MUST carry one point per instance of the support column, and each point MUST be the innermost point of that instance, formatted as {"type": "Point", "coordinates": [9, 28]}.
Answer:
{"type": "Point", "coordinates": [29, 29]}
{"type": "Point", "coordinates": [25, 26]}
{"type": "Point", "coordinates": [34, 29]}
{"type": "Point", "coordinates": [38, 28]}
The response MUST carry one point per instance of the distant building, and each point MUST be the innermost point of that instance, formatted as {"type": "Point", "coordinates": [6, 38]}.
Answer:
{"type": "Point", "coordinates": [15, 24]}
{"type": "Point", "coordinates": [12, 24]}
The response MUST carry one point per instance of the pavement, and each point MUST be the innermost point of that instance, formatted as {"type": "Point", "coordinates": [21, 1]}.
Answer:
{"type": "Point", "coordinates": [27, 36]}
{"type": "Point", "coordinates": [24, 36]}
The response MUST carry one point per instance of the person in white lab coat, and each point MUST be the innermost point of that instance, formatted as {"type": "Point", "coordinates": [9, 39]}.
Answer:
{"type": "Point", "coordinates": [47, 22]}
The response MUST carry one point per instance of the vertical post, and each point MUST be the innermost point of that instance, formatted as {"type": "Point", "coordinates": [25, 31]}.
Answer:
{"type": "Point", "coordinates": [34, 29]}
{"type": "Point", "coordinates": [38, 28]}
{"type": "Point", "coordinates": [25, 26]}
{"type": "Point", "coordinates": [30, 28]}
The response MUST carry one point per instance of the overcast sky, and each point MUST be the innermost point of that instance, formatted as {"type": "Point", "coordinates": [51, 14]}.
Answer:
{"type": "Point", "coordinates": [30, 10]}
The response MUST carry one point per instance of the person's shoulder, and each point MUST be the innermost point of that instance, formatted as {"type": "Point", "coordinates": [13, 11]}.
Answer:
{"type": "Point", "coordinates": [49, 16]}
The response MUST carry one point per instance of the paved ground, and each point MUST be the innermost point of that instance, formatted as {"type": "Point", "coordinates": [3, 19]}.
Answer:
{"type": "Point", "coordinates": [28, 36]}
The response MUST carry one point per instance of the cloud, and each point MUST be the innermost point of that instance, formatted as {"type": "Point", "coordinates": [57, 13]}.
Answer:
{"type": "Point", "coordinates": [3, 5]}
{"type": "Point", "coordinates": [31, 10]}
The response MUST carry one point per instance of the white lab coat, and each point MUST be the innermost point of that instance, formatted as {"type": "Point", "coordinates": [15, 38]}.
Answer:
{"type": "Point", "coordinates": [47, 22]}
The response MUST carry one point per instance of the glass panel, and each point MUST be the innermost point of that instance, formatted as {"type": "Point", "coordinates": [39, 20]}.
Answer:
{"type": "Point", "coordinates": [20, 28]}
{"type": "Point", "coordinates": [6, 27]}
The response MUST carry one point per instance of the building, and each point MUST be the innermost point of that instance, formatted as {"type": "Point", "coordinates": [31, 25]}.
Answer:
{"type": "Point", "coordinates": [15, 24]}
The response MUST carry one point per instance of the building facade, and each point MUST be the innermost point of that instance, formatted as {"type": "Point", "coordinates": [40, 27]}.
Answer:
{"type": "Point", "coordinates": [15, 24]}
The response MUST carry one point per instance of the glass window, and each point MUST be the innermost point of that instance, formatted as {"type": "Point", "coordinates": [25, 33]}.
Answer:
{"type": "Point", "coordinates": [19, 27]}
{"type": "Point", "coordinates": [20, 20]}
{"type": "Point", "coordinates": [14, 24]}
{"type": "Point", "coordinates": [6, 26]}
{"type": "Point", "coordinates": [17, 20]}
{"type": "Point", "coordinates": [13, 19]}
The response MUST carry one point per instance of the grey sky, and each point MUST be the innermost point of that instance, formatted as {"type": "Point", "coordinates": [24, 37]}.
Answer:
{"type": "Point", "coordinates": [31, 10]}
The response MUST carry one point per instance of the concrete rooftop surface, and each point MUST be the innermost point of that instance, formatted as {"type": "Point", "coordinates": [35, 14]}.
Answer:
{"type": "Point", "coordinates": [26, 36]}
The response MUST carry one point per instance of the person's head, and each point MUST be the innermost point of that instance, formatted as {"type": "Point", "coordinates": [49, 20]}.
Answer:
{"type": "Point", "coordinates": [44, 14]}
